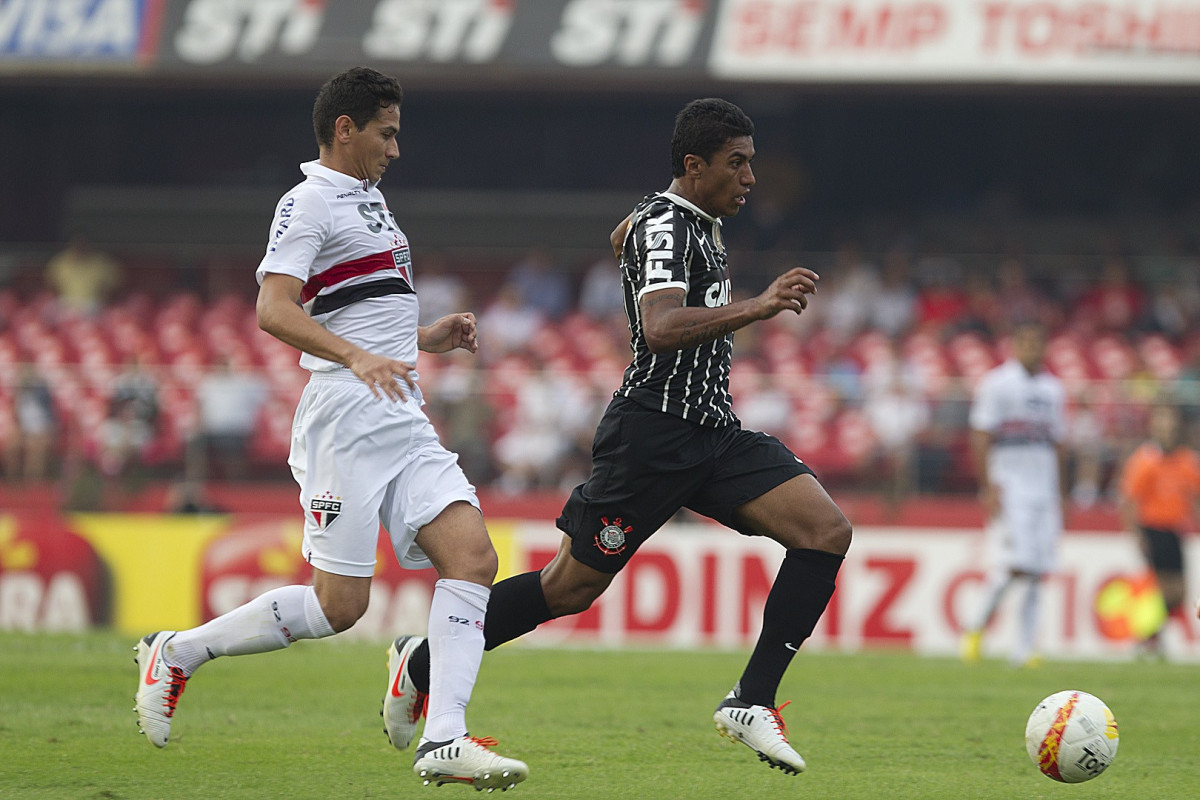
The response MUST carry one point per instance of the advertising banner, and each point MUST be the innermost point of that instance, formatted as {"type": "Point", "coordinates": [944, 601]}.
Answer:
{"type": "Point", "coordinates": [547, 38]}
{"type": "Point", "coordinates": [953, 41]}
{"type": "Point", "coordinates": [78, 34]}
{"type": "Point", "coordinates": [615, 42]}
{"type": "Point", "coordinates": [908, 588]}
{"type": "Point", "coordinates": [690, 586]}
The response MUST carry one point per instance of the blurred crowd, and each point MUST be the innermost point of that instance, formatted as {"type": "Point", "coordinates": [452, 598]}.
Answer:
{"type": "Point", "coordinates": [106, 383]}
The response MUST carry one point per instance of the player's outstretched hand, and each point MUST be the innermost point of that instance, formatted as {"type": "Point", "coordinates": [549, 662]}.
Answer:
{"type": "Point", "coordinates": [453, 331]}
{"type": "Point", "coordinates": [789, 292]}
{"type": "Point", "coordinates": [379, 373]}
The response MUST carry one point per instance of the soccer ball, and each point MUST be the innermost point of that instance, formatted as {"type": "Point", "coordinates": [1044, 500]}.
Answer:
{"type": "Point", "coordinates": [1071, 736]}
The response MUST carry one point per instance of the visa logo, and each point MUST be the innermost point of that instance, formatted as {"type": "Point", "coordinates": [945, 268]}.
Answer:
{"type": "Point", "coordinates": [103, 29]}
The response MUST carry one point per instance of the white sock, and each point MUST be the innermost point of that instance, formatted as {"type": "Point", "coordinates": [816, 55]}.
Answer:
{"type": "Point", "coordinates": [996, 585]}
{"type": "Point", "coordinates": [1027, 620]}
{"type": "Point", "coordinates": [271, 621]}
{"type": "Point", "coordinates": [455, 651]}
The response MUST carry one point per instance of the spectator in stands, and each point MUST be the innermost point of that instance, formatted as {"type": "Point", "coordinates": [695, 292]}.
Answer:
{"type": "Point", "coordinates": [1114, 303]}
{"type": "Point", "coordinates": [895, 304]}
{"type": "Point", "coordinates": [122, 445]}
{"type": "Point", "coordinates": [544, 286]}
{"type": "Point", "coordinates": [552, 409]}
{"type": "Point", "coordinates": [600, 295]}
{"type": "Point", "coordinates": [442, 292]}
{"type": "Point", "coordinates": [27, 453]}
{"type": "Point", "coordinates": [897, 414]}
{"type": "Point", "coordinates": [852, 291]}
{"type": "Point", "coordinates": [941, 303]}
{"type": "Point", "coordinates": [844, 374]}
{"type": "Point", "coordinates": [136, 386]}
{"type": "Point", "coordinates": [229, 400]}
{"type": "Point", "coordinates": [1019, 298]}
{"type": "Point", "coordinates": [1087, 451]}
{"type": "Point", "coordinates": [82, 277]}
{"type": "Point", "coordinates": [463, 413]}
{"type": "Point", "coordinates": [508, 322]}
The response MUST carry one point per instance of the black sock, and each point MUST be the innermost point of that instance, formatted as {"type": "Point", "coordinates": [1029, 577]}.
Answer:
{"type": "Point", "coordinates": [516, 607]}
{"type": "Point", "coordinates": [796, 602]}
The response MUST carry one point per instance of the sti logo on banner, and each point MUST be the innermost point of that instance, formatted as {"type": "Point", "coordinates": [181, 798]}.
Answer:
{"type": "Point", "coordinates": [216, 30]}
{"type": "Point", "coordinates": [634, 33]}
{"type": "Point", "coordinates": [439, 30]}
{"type": "Point", "coordinates": [108, 30]}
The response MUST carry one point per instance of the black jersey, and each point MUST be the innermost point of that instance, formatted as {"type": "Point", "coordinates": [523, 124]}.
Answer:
{"type": "Point", "coordinates": [673, 244]}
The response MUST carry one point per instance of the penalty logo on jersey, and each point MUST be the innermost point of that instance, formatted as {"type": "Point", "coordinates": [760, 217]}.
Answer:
{"type": "Point", "coordinates": [325, 508]}
{"type": "Point", "coordinates": [611, 538]}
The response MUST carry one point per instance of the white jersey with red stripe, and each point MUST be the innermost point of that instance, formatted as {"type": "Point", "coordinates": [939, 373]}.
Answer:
{"type": "Point", "coordinates": [1026, 418]}
{"type": "Point", "coordinates": [334, 232]}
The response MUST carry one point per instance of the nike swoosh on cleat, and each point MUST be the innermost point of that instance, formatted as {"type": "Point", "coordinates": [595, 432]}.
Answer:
{"type": "Point", "coordinates": [150, 667]}
{"type": "Point", "coordinates": [791, 647]}
{"type": "Point", "coordinates": [396, 683]}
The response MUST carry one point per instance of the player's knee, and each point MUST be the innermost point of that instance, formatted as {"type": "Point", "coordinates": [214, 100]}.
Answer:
{"type": "Point", "coordinates": [342, 615]}
{"type": "Point", "coordinates": [831, 535]}
{"type": "Point", "coordinates": [476, 562]}
{"type": "Point", "coordinates": [836, 536]}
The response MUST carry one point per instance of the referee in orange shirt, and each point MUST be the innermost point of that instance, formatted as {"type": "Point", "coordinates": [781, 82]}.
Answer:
{"type": "Point", "coordinates": [1160, 486]}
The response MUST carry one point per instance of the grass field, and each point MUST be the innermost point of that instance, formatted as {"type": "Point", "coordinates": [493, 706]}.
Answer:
{"type": "Point", "coordinates": [303, 723]}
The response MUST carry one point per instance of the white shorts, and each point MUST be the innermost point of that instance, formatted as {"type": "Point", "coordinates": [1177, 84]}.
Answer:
{"type": "Point", "coordinates": [1024, 536]}
{"type": "Point", "coordinates": [362, 462]}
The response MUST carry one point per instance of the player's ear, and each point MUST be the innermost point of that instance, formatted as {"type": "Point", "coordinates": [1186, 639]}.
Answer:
{"type": "Point", "coordinates": [343, 126]}
{"type": "Point", "coordinates": [693, 165]}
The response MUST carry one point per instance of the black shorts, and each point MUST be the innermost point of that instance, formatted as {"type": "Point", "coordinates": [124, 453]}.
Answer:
{"type": "Point", "coordinates": [1163, 549]}
{"type": "Point", "coordinates": [646, 465]}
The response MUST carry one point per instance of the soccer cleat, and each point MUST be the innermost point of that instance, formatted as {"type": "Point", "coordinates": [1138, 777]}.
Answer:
{"type": "Point", "coordinates": [159, 688]}
{"type": "Point", "coordinates": [761, 729]}
{"type": "Point", "coordinates": [468, 760]}
{"type": "Point", "coordinates": [403, 705]}
{"type": "Point", "coordinates": [971, 647]}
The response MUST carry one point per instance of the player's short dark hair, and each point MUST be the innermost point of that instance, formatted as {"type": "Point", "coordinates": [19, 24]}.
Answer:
{"type": "Point", "coordinates": [358, 93]}
{"type": "Point", "coordinates": [703, 127]}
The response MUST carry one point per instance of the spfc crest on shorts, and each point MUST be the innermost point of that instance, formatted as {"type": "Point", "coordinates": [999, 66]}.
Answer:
{"type": "Point", "coordinates": [611, 538]}
{"type": "Point", "coordinates": [325, 508]}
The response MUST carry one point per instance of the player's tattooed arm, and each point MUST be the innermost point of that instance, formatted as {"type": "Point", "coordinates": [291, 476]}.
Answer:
{"type": "Point", "coordinates": [670, 325]}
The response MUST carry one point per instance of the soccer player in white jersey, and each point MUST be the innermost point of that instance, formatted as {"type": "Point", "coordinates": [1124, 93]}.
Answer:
{"type": "Point", "coordinates": [1018, 422]}
{"type": "Point", "coordinates": [337, 283]}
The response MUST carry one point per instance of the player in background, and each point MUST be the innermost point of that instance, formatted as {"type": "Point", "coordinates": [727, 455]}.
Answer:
{"type": "Point", "coordinates": [1160, 489]}
{"type": "Point", "coordinates": [669, 438]}
{"type": "Point", "coordinates": [336, 283]}
{"type": "Point", "coordinates": [1018, 422]}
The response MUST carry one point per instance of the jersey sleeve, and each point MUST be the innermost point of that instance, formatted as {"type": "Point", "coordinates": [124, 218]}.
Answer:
{"type": "Point", "coordinates": [301, 225]}
{"type": "Point", "coordinates": [1058, 423]}
{"type": "Point", "coordinates": [660, 241]}
{"type": "Point", "coordinates": [985, 411]}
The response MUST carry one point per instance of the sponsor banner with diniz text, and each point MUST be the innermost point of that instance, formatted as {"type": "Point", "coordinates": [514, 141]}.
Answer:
{"type": "Point", "coordinates": [691, 585]}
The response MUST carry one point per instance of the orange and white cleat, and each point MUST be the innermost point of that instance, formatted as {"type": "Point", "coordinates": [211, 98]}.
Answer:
{"type": "Point", "coordinates": [403, 704]}
{"type": "Point", "coordinates": [761, 729]}
{"type": "Point", "coordinates": [159, 688]}
{"type": "Point", "coordinates": [468, 760]}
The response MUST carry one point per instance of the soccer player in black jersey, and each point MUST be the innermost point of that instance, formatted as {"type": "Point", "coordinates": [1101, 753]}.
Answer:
{"type": "Point", "coordinates": [669, 438]}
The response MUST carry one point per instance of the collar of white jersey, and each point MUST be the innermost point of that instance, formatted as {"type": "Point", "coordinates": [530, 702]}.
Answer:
{"type": "Point", "coordinates": [679, 201]}
{"type": "Point", "coordinates": [341, 180]}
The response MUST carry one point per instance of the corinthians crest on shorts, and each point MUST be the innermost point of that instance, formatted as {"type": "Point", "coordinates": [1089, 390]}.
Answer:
{"type": "Point", "coordinates": [611, 538]}
{"type": "Point", "coordinates": [325, 508]}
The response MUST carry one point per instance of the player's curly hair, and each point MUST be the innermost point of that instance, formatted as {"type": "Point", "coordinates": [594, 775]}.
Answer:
{"type": "Point", "coordinates": [703, 127]}
{"type": "Point", "coordinates": [358, 93]}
